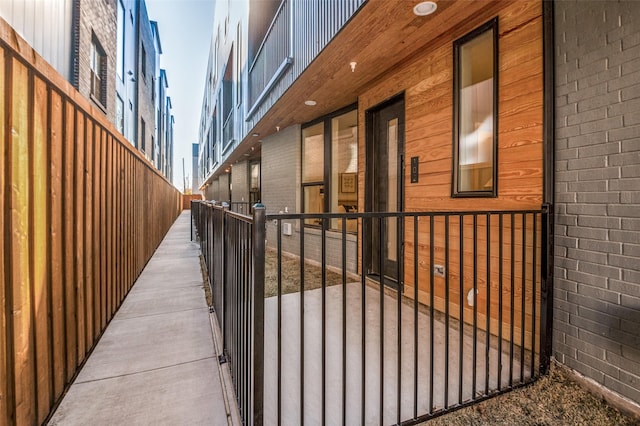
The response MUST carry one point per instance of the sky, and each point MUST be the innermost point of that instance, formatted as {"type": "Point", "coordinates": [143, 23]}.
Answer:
{"type": "Point", "coordinates": [185, 28]}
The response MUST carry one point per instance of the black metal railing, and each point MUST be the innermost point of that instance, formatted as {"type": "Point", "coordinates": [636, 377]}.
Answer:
{"type": "Point", "coordinates": [450, 308]}
{"type": "Point", "coordinates": [233, 249]}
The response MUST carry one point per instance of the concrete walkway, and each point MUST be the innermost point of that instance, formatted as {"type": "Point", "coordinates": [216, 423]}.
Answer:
{"type": "Point", "coordinates": [156, 363]}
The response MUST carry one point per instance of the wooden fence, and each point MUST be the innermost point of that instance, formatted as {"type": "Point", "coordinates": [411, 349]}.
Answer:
{"type": "Point", "coordinates": [82, 213]}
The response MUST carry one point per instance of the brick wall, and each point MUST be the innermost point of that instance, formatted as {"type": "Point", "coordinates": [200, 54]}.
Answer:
{"type": "Point", "coordinates": [280, 186]}
{"type": "Point", "coordinates": [97, 17]}
{"type": "Point", "coordinates": [597, 235]}
{"type": "Point", "coordinates": [240, 181]}
{"type": "Point", "coordinates": [223, 188]}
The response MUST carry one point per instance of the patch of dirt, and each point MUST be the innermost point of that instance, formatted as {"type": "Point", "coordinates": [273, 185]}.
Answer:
{"type": "Point", "coordinates": [554, 399]}
{"type": "Point", "coordinates": [291, 275]}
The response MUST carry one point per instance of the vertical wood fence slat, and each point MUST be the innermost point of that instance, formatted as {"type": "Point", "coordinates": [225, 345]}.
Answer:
{"type": "Point", "coordinates": [80, 205]}
{"type": "Point", "coordinates": [4, 166]}
{"type": "Point", "coordinates": [72, 222]}
{"type": "Point", "coordinates": [88, 235]}
{"type": "Point", "coordinates": [83, 212]}
{"type": "Point", "coordinates": [39, 260]}
{"type": "Point", "coordinates": [24, 354]}
{"type": "Point", "coordinates": [57, 244]}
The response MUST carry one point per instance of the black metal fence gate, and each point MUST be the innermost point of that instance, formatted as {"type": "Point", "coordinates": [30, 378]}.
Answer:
{"type": "Point", "coordinates": [466, 320]}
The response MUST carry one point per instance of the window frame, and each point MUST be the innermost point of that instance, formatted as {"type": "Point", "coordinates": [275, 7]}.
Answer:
{"type": "Point", "coordinates": [98, 57]}
{"type": "Point", "coordinates": [491, 25]}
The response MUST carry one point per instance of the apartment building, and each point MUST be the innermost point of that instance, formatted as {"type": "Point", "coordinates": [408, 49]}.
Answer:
{"type": "Point", "coordinates": [385, 106]}
{"type": "Point", "coordinates": [110, 51]}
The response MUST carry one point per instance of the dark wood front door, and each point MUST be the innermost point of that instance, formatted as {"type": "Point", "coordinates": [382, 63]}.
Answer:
{"type": "Point", "coordinates": [385, 152]}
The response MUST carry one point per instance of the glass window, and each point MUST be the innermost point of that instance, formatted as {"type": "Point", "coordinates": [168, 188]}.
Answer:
{"type": "Point", "coordinates": [344, 167]}
{"type": "Point", "coordinates": [120, 114]}
{"type": "Point", "coordinates": [313, 170]}
{"type": "Point", "coordinates": [120, 42]}
{"type": "Point", "coordinates": [475, 112]}
{"type": "Point", "coordinates": [98, 65]}
{"type": "Point", "coordinates": [143, 61]}
{"type": "Point", "coordinates": [330, 163]}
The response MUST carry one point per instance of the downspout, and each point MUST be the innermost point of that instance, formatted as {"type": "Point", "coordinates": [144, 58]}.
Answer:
{"type": "Point", "coordinates": [547, 290]}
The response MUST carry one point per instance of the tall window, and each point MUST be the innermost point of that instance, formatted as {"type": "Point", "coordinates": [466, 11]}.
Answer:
{"type": "Point", "coordinates": [313, 170]}
{"type": "Point", "coordinates": [120, 42]}
{"type": "Point", "coordinates": [143, 135]}
{"type": "Point", "coordinates": [143, 59]}
{"type": "Point", "coordinates": [98, 64]}
{"type": "Point", "coordinates": [475, 113]}
{"type": "Point", "coordinates": [227, 101]}
{"type": "Point", "coordinates": [120, 114]}
{"type": "Point", "coordinates": [330, 166]}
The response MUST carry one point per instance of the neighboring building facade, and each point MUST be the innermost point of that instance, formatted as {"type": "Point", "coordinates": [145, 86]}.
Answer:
{"type": "Point", "coordinates": [47, 26]}
{"type": "Point", "coordinates": [466, 93]}
{"type": "Point", "coordinates": [109, 51]}
{"type": "Point", "coordinates": [94, 61]}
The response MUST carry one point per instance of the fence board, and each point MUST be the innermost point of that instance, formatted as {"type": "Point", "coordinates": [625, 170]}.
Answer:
{"type": "Point", "coordinates": [56, 233]}
{"type": "Point", "coordinates": [88, 235]}
{"type": "Point", "coordinates": [40, 258]}
{"type": "Point", "coordinates": [24, 354]}
{"type": "Point", "coordinates": [80, 214]}
{"type": "Point", "coordinates": [4, 270]}
{"type": "Point", "coordinates": [72, 222]}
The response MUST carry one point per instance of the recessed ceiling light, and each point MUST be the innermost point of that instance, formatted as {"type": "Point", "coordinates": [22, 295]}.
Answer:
{"type": "Point", "coordinates": [255, 135]}
{"type": "Point", "coordinates": [310, 102]}
{"type": "Point", "coordinates": [425, 8]}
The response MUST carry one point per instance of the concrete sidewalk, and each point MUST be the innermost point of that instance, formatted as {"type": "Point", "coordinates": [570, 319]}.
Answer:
{"type": "Point", "coordinates": [156, 363]}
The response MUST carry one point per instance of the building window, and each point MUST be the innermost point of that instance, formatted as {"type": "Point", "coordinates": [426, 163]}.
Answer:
{"type": "Point", "coordinates": [120, 42]}
{"type": "Point", "coordinates": [313, 170]}
{"type": "Point", "coordinates": [227, 101]}
{"type": "Point", "coordinates": [475, 113]}
{"type": "Point", "coordinates": [330, 167]}
{"type": "Point", "coordinates": [120, 114]}
{"type": "Point", "coordinates": [143, 63]}
{"type": "Point", "coordinates": [98, 64]}
{"type": "Point", "coordinates": [239, 67]}
{"type": "Point", "coordinates": [143, 134]}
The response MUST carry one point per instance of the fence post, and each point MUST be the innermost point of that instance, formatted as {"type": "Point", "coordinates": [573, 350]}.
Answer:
{"type": "Point", "coordinates": [546, 291]}
{"type": "Point", "coordinates": [259, 242]}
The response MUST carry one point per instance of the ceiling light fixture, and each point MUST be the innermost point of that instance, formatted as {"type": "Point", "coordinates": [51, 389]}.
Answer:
{"type": "Point", "coordinates": [310, 103]}
{"type": "Point", "coordinates": [255, 135]}
{"type": "Point", "coordinates": [353, 66]}
{"type": "Point", "coordinates": [425, 8]}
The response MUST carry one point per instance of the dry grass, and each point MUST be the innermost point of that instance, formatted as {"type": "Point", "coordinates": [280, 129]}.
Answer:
{"type": "Point", "coordinates": [553, 400]}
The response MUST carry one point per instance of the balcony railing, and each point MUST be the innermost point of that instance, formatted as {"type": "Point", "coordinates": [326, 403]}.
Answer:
{"type": "Point", "coordinates": [465, 318]}
{"type": "Point", "coordinates": [273, 57]}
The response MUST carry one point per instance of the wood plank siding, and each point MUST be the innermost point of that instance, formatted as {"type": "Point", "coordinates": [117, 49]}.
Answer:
{"type": "Point", "coordinates": [82, 213]}
{"type": "Point", "coordinates": [425, 79]}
